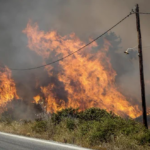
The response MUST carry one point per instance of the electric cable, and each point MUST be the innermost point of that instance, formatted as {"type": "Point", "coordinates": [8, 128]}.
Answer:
{"type": "Point", "coordinates": [78, 49]}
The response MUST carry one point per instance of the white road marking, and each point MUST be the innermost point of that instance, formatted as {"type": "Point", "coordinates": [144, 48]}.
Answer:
{"type": "Point", "coordinates": [44, 141]}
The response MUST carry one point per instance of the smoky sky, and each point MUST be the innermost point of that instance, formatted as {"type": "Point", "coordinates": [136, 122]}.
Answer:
{"type": "Point", "coordinates": [86, 18]}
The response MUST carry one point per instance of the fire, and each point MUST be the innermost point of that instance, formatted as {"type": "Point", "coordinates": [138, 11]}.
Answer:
{"type": "Point", "coordinates": [7, 87]}
{"type": "Point", "coordinates": [37, 98]}
{"type": "Point", "coordinates": [87, 76]}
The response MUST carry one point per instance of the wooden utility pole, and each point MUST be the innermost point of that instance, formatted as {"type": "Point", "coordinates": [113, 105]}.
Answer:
{"type": "Point", "coordinates": [141, 66]}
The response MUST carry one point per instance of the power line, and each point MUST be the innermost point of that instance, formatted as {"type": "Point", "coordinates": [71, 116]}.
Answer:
{"type": "Point", "coordinates": [146, 47]}
{"type": "Point", "coordinates": [137, 47]}
{"type": "Point", "coordinates": [144, 13]}
{"type": "Point", "coordinates": [78, 49]}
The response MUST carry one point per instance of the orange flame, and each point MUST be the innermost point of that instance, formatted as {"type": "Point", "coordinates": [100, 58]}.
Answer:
{"type": "Point", "coordinates": [88, 77]}
{"type": "Point", "coordinates": [7, 87]}
{"type": "Point", "coordinates": [37, 98]}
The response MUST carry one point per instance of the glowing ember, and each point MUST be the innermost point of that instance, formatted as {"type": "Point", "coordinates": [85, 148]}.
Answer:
{"type": "Point", "coordinates": [87, 77]}
{"type": "Point", "coordinates": [7, 87]}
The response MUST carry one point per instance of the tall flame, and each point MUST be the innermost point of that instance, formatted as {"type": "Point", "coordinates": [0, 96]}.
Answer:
{"type": "Point", "coordinates": [87, 77]}
{"type": "Point", "coordinates": [7, 87]}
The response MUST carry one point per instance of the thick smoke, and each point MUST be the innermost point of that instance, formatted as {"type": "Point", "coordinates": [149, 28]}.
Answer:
{"type": "Point", "coordinates": [87, 19]}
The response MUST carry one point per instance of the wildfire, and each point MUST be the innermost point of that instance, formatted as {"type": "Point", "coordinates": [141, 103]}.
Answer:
{"type": "Point", "coordinates": [87, 76]}
{"type": "Point", "coordinates": [7, 87]}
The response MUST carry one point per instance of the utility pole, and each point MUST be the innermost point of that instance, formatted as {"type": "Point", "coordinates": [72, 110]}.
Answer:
{"type": "Point", "coordinates": [141, 66]}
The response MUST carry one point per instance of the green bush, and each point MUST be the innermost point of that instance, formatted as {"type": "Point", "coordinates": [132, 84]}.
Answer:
{"type": "Point", "coordinates": [87, 115]}
{"type": "Point", "coordinates": [96, 137]}
{"type": "Point", "coordinates": [145, 138]}
{"type": "Point", "coordinates": [65, 113]}
{"type": "Point", "coordinates": [40, 126]}
{"type": "Point", "coordinates": [127, 126]}
{"type": "Point", "coordinates": [102, 131]}
{"type": "Point", "coordinates": [97, 125]}
{"type": "Point", "coordinates": [85, 127]}
{"type": "Point", "coordinates": [93, 114]}
{"type": "Point", "coordinates": [70, 124]}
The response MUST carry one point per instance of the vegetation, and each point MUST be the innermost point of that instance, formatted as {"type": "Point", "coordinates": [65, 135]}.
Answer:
{"type": "Point", "coordinates": [93, 128]}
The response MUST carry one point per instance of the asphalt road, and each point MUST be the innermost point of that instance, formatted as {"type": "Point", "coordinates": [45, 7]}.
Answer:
{"type": "Point", "coordinates": [15, 142]}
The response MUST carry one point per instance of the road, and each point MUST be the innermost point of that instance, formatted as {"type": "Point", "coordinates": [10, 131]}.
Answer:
{"type": "Point", "coordinates": [16, 142]}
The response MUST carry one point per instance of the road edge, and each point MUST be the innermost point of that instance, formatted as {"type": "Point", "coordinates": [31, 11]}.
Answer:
{"type": "Point", "coordinates": [45, 141]}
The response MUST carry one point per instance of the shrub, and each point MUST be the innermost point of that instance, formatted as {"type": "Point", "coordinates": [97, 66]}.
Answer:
{"type": "Point", "coordinates": [87, 115]}
{"type": "Point", "coordinates": [102, 131]}
{"type": "Point", "coordinates": [40, 126]}
{"type": "Point", "coordinates": [85, 128]}
{"type": "Point", "coordinates": [130, 127]}
{"type": "Point", "coordinates": [145, 138]}
{"type": "Point", "coordinates": [93, 114]}
{"type": "Point", "coordinates": [70, 124]}
{"type": "Point", "coordinates": [65, 113]}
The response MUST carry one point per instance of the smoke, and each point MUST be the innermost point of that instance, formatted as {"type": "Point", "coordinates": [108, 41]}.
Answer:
{"type": "Point", "coordinates": [18, 110]}
{"type": "Point", "coordinates": [86, 19]}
